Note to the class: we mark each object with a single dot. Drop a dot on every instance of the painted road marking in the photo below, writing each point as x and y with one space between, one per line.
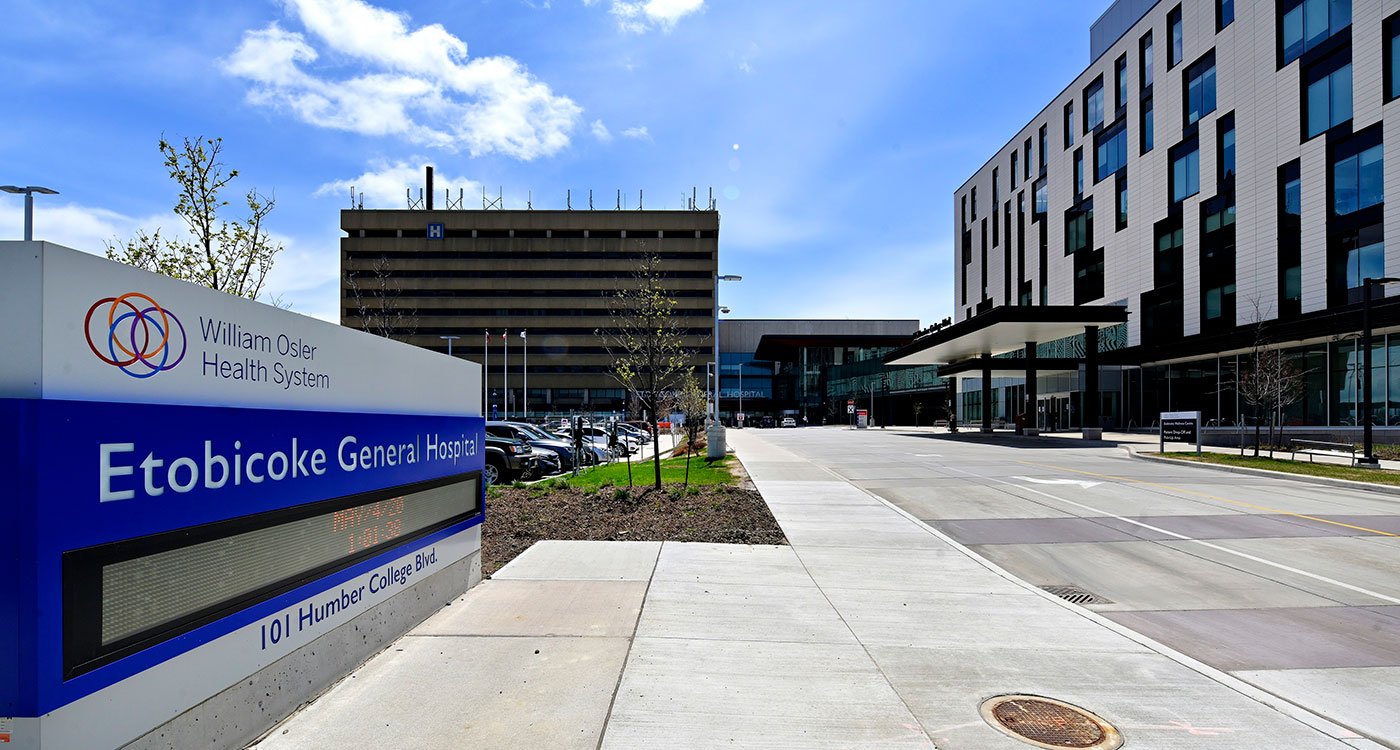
1183 490
1183 537
1080 482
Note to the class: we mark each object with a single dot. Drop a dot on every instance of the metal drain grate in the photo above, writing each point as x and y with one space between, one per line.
1076 595
1048 723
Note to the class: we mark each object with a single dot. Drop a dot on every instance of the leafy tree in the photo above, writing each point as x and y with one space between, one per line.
918 409
232 256
647 345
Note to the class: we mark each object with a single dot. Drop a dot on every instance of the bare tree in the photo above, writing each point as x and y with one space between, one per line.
918 409
1268 383
231 256
375 293
694 403
646 343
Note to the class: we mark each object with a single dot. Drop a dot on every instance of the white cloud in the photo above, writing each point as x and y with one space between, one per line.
600 131
417 84
638 133
383 184
80 227
638 16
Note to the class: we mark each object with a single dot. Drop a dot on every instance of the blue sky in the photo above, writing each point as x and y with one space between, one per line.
832 133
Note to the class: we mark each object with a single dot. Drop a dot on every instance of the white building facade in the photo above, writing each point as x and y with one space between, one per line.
1219 169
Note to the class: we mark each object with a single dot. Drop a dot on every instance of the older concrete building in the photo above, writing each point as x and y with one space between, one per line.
488 276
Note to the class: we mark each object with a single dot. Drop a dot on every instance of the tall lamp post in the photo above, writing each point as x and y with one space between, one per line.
719 278
28 193
449 340
1368 460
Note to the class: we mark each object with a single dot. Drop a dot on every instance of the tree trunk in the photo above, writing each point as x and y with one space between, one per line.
656 452
1256 431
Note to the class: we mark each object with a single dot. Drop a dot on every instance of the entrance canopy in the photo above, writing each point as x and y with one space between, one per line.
1004 329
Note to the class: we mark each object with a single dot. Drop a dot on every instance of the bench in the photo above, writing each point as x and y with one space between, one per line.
940 423
1321 447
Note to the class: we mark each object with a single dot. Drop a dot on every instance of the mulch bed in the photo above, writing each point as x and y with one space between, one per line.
517 518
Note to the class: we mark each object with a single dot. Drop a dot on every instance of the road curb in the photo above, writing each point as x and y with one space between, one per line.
1324 481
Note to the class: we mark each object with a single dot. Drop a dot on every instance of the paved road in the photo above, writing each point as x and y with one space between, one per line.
1293 587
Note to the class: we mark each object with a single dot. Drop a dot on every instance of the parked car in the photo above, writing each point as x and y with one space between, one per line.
789 422
507 460
766 422
598 443
561 450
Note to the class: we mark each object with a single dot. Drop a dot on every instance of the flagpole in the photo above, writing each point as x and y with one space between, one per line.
486 379
505 374
525 373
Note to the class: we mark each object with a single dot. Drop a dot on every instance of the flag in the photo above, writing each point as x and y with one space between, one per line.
522 334
503 335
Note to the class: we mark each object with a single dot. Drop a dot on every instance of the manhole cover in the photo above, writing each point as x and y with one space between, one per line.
1048 723
1076 595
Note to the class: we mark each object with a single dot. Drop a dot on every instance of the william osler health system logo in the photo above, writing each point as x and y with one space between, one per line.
135 334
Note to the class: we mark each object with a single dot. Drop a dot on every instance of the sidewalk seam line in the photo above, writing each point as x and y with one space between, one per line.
631 643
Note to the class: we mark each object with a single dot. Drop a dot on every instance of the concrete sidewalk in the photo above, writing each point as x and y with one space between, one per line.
870 630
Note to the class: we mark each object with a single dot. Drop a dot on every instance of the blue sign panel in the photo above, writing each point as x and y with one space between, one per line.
139 532
436 232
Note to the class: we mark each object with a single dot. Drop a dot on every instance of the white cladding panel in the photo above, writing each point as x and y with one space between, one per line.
1266 102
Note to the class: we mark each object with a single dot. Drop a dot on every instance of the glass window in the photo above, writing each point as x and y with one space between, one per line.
1079 228
1365 262
1174 35
1148 128
1122 204
1358 181
1392 56
1145 60
1186 171
1329 100
1044 145
1079 172
1308 23
996 187
1200 89
1120 76
1042 196
1224 13
1111 151
1069 124
1013 170
1227 149
1027 148
974 203
1093 105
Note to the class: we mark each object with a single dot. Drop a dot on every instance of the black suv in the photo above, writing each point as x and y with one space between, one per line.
539 441
507 460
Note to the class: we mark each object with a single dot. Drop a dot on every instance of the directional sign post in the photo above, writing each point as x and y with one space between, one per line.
1179 427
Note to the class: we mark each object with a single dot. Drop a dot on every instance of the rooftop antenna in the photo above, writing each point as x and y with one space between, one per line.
487 204
414 205
590 200
693 204
451 204
568 200
619 200
529 200
639 200
712 198
352 197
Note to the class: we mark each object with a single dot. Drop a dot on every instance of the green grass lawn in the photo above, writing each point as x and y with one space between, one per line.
1374 476
702 472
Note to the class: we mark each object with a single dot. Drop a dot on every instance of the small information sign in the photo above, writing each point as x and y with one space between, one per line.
1180 427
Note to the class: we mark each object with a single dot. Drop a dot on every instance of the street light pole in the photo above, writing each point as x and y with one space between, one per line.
449 340
1369 459
719 278
28 192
